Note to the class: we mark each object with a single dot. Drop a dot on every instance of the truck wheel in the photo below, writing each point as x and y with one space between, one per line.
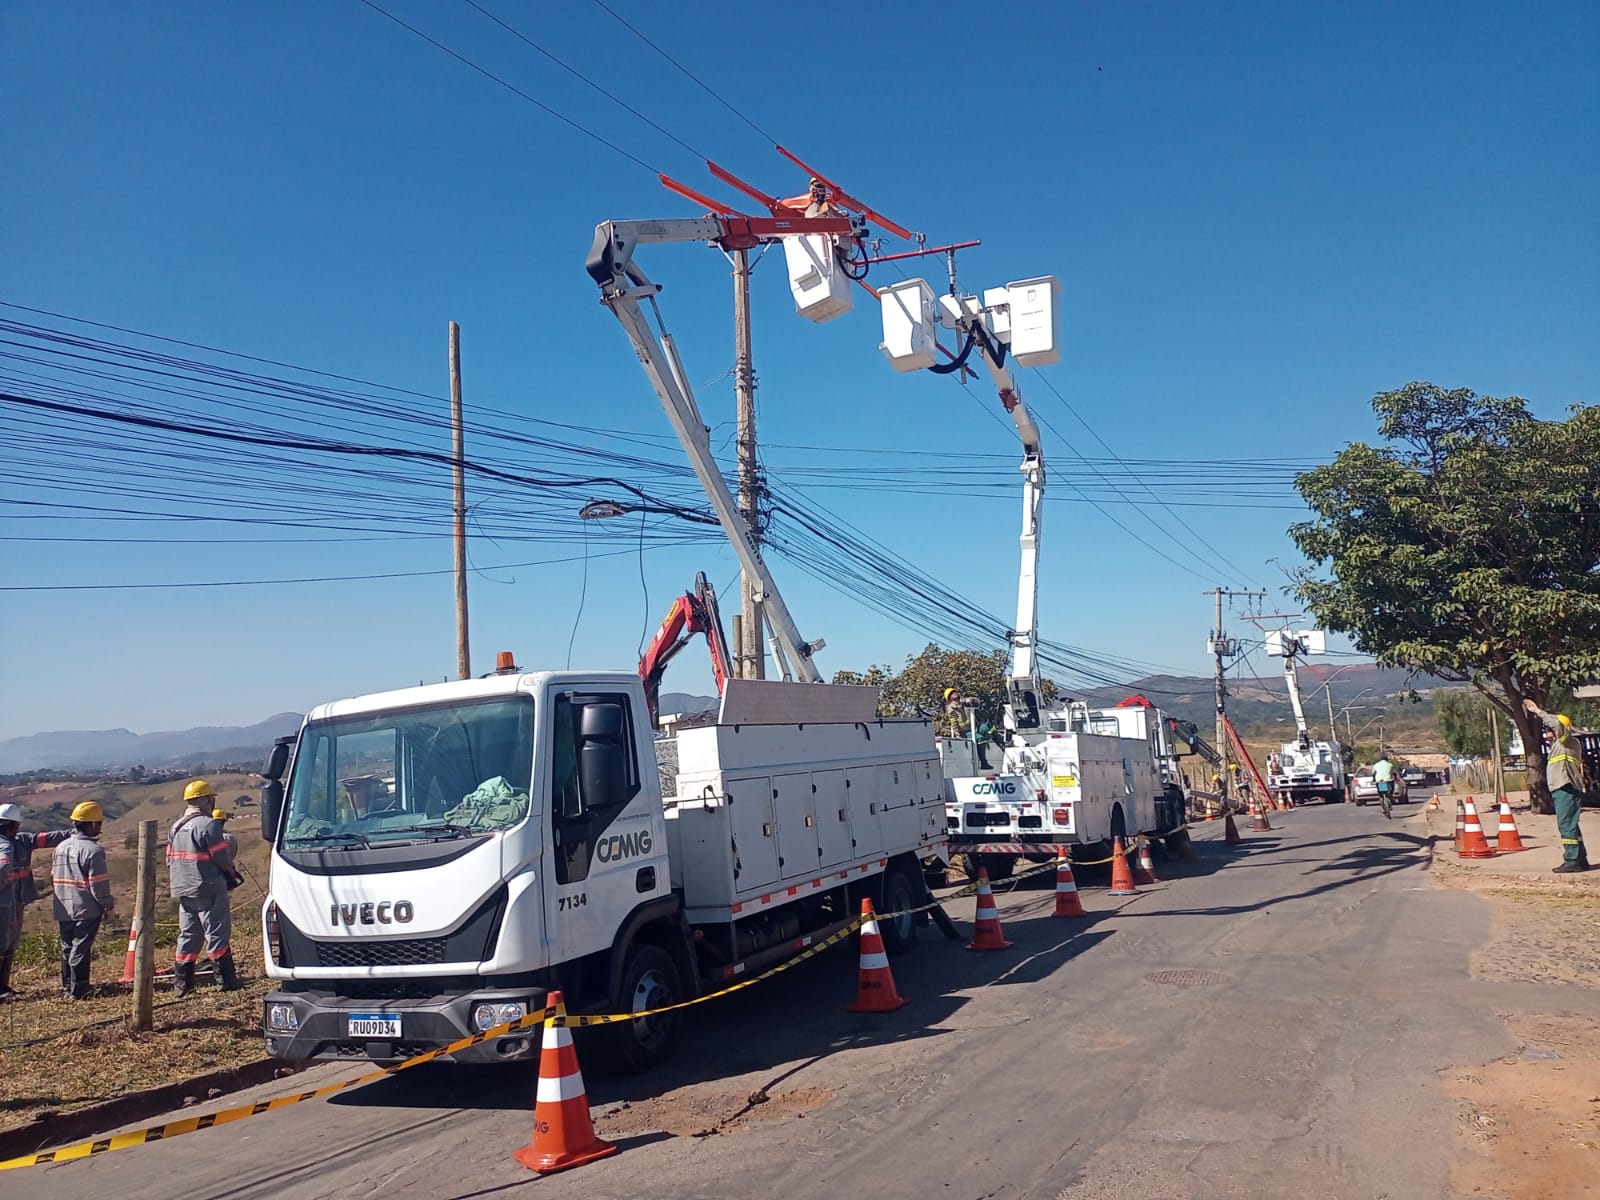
649 980
899 895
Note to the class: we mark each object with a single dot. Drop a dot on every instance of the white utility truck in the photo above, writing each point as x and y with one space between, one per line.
443 856
1094 774
1303 769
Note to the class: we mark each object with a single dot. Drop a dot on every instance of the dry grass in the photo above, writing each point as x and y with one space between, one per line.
62 1055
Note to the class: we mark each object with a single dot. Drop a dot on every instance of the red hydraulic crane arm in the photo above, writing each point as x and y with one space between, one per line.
1244 757
691 613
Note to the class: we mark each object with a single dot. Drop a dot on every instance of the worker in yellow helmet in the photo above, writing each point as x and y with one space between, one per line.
1563 772
200 867
82 885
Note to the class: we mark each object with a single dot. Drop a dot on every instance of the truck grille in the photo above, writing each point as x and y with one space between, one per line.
416 952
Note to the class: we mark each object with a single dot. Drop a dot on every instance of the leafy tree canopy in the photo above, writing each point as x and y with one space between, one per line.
1466 546
919 686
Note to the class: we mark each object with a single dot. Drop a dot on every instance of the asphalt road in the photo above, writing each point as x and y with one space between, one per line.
1269 1021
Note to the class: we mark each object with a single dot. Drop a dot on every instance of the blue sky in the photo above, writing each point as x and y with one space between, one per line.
1260 215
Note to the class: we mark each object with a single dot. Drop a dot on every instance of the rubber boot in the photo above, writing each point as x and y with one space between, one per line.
5 978
182 979
227 973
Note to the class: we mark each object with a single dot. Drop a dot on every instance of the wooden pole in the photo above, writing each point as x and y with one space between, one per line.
1494 743
144 915
458 471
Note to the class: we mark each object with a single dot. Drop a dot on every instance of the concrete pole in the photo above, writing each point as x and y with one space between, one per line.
1220 645
750 660
144 916
458 472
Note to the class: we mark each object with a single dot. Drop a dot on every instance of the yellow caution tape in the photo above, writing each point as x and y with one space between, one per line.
543 1016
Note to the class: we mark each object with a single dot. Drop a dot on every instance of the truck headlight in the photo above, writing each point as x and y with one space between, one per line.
281 1018
487 1016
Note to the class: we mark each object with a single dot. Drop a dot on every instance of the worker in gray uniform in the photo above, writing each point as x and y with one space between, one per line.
17 889
82 884
1563 773
202 873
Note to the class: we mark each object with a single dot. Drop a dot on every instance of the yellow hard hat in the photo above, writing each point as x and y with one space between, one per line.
88 811
1564 720
198 789
220 814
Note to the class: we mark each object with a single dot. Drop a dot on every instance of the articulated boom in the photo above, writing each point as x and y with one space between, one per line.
622 288
691 613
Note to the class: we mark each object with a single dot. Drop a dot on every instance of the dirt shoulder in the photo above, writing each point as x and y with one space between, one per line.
1528 1125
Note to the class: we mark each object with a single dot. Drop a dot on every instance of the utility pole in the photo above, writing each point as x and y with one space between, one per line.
144 929
458 471
750 660
1223 648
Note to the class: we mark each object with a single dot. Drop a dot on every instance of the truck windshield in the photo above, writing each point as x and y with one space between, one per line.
456 770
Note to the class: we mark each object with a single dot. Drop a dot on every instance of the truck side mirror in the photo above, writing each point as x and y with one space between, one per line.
602 757
277 759
271 808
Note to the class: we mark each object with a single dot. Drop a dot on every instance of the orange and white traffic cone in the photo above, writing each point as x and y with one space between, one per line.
875 991
1230 832
1285 801
1506 838
1144 867
1068 902
133 940
1121 877
986 933
1461 821
1473 843
563 1135
1258 818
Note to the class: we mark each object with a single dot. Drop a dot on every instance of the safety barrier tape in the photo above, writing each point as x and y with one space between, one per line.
544 1016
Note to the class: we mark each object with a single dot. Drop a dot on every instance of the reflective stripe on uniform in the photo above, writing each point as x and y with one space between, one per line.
189 855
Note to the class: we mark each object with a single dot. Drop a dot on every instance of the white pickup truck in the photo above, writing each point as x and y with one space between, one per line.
445 855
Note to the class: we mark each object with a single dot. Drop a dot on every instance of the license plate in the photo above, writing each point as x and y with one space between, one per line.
373 1025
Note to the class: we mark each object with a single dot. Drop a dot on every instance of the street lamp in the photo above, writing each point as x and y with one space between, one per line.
1327 689
1345 712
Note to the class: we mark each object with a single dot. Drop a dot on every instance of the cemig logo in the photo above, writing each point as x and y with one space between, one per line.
621 846
1002 787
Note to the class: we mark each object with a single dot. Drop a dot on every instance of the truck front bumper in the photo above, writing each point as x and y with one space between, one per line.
306 1022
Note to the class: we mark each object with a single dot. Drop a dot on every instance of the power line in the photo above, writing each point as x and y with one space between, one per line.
571 70
702 84
511 87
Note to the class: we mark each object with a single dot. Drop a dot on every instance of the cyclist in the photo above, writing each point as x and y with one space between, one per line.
1383 775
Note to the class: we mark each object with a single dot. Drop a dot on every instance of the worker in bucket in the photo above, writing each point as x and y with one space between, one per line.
17 889
1563 774
201 870
82 885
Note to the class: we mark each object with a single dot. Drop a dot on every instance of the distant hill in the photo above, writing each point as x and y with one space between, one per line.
117 748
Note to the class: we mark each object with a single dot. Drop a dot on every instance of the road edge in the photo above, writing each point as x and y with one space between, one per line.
55 1129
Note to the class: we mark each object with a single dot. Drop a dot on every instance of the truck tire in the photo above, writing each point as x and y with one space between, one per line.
900 893
649 980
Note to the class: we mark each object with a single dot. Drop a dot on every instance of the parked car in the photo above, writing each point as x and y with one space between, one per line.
1364 787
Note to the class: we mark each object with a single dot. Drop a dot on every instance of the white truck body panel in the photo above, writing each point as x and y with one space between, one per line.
1315 771
764 808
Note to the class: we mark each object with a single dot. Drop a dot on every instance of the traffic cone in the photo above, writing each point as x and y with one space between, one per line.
986 933
1144 867
1230 832
1121 877
1184 845
1506 838
1461 821
1473 843
563 1135
133 940
1258 818
1068 902
875 990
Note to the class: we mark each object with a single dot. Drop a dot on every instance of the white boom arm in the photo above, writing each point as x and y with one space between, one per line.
622 286
1024 702
1292 677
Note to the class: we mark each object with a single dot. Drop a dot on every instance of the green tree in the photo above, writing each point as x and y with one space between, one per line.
1463 720
918 687
1466 547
